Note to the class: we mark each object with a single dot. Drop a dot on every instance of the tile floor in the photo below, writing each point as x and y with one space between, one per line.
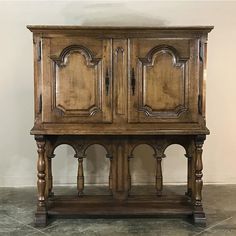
17 206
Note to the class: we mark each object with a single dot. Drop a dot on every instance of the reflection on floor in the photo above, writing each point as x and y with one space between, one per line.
17 206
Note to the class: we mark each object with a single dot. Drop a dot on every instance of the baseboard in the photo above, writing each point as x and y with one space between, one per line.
29 181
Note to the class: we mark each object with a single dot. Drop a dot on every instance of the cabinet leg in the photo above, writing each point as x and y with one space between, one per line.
198 215
80 176
189 175
41 214
50 177
110 172
129 175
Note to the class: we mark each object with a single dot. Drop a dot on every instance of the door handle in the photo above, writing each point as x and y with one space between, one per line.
133 81
107 82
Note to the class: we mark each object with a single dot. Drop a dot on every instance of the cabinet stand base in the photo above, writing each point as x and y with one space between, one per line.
121 202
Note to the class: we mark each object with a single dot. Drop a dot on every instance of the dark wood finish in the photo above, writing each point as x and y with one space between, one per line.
119 87
138 206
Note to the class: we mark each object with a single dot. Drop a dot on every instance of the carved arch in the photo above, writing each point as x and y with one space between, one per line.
53 148
160 49
133 146
176 143
175 113
101 144
66 52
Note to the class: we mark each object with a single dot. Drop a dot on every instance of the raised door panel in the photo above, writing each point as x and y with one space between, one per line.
77 80
162 74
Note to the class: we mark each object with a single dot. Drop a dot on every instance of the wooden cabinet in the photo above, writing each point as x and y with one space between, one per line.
119 87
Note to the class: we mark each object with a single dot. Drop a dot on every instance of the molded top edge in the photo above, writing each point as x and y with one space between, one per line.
76 27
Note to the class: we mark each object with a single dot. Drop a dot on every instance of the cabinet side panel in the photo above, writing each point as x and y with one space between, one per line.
37 79
202 78
46 80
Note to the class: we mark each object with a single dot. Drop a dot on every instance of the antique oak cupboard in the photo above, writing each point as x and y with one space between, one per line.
119 87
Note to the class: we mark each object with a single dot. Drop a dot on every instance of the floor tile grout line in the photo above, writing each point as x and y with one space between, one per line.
32 233
48 227
29 226
211 227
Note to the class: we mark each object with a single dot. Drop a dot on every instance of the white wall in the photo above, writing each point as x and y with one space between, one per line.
17 147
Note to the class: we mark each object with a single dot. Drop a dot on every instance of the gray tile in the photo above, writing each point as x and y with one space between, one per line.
120 227
36 234
9 227
225 227
19 205
218 233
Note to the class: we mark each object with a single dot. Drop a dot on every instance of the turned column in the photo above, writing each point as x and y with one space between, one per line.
80 174
50 177
159 179
41 214
199 216
129 174
109 156
189 174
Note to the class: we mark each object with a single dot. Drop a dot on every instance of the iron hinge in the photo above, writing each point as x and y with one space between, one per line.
40 103
200 51
39 50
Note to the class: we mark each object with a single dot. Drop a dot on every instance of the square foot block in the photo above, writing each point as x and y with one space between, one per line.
199 219
41 219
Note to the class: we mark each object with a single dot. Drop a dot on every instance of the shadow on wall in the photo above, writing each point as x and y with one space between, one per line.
96 165
108 14
143 165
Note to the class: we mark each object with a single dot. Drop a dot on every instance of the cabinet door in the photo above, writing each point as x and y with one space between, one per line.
162 80
77 83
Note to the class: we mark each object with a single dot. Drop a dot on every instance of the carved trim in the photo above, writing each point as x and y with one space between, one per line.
66 52
161 49
119 49
77 112
167 113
